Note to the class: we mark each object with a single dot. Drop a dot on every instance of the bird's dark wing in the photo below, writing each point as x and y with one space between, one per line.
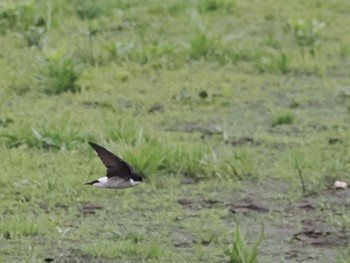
115 165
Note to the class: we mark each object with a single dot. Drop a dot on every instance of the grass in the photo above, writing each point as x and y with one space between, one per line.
282 118
26 19
47 137
238 251
343 256
213 107
307 34
298 162
133 249
60 73
272 61
18 226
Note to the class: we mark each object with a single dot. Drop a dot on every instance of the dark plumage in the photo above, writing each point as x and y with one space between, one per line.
120 174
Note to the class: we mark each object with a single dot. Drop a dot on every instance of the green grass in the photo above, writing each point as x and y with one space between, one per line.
26 19
282 118
133 249
239 252
58 135
60 73
215 102
343 256
18 226
307 34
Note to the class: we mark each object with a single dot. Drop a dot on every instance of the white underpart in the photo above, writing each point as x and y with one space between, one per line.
104 183
101 182
133 183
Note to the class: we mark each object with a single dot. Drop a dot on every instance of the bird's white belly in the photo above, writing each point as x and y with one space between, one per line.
102 182
105 182
133 183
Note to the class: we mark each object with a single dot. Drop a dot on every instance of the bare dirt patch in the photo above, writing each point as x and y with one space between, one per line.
295 230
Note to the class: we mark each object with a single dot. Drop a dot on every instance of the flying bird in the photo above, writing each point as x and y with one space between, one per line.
120 174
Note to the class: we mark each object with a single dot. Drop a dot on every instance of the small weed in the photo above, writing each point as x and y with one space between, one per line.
184 95
177 7
153 251
283 118
307 34
342 220
5 122
239 252
271 41
120 52
159 55
343 255
91 57
202 45
205 6
60 73
127 132
207 237
88 54
344 93
299 165
188 161
209 5
238 163
24 19
273 62
89 9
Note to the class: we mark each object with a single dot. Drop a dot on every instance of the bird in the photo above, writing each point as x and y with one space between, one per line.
120 174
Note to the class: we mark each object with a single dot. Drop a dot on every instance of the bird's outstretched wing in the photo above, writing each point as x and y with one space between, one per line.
115 165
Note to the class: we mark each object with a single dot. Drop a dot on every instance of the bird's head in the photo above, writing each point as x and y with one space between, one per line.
137 178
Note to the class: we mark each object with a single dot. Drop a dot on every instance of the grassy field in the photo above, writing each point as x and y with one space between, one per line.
236 112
